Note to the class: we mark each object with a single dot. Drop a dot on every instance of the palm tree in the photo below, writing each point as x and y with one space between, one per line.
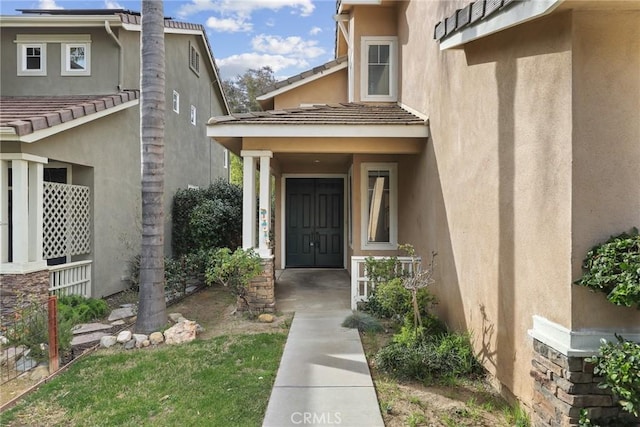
152 308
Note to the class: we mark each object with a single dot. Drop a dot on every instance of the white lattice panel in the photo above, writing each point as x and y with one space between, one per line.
67 220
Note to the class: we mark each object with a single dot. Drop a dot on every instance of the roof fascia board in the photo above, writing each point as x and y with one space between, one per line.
58 21
278 130
44 133
344 3
519 13
414 112
302 82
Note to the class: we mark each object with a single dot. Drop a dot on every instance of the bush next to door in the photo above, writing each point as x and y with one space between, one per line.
207 218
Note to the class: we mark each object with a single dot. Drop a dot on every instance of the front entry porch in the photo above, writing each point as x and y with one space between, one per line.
312 289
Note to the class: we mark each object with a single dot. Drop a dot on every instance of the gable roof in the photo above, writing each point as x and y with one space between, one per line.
331 120
303 78
22 118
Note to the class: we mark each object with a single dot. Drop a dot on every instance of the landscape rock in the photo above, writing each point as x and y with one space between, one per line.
146 343
139 339
87 339
39 373
130 345
176 317
121 313
156 338
124 336
25 364
9 356
118 322
107 341
266 318
3 340
86 328
181 332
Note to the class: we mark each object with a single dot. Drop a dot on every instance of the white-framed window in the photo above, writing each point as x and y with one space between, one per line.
32 59
193 115
76 59
194 59
176 102
225 158
379 77
379 200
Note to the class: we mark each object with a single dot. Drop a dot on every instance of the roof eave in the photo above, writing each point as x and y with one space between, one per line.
58 21
277 130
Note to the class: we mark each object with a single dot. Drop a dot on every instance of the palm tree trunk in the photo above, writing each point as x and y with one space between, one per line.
152 309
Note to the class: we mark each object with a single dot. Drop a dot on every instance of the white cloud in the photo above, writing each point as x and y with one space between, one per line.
110 4
292 46
238 64
228 25
48 4
315 31
245 7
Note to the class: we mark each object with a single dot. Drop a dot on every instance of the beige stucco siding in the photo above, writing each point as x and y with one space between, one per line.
493 192
328 89
606 147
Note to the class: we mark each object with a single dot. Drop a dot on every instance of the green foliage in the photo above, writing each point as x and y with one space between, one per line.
205 219
410 336
234 270
177 271
382 269
79 309
619 365
429 358
613 267
242 91
363 322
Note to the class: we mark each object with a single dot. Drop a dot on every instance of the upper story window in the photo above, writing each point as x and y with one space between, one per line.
32 59
193 115
176 102
379 195
194 59
379 69
76 59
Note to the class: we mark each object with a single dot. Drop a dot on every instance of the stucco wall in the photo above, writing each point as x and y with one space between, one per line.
606 148
329 89
498 171
104 66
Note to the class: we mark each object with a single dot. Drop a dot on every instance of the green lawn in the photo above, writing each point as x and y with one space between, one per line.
225 381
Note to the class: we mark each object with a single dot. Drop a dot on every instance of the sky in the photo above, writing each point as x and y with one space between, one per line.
290 36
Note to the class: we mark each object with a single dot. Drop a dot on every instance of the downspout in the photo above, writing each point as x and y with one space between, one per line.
107 27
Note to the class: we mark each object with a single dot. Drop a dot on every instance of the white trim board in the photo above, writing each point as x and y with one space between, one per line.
580 343
303 81
309 131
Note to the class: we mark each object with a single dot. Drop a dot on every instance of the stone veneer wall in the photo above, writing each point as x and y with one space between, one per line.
16 287
564 385
261 292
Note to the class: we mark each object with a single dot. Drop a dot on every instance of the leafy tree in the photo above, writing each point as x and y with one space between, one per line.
152 308
244 88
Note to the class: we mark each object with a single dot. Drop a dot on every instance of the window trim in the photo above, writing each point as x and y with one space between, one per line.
392 42
176 102
192 50
225 158
193 115
22 59
65 70
392 168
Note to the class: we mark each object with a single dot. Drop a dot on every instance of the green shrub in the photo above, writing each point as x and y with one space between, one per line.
409 335
619 365
363 322
433 357
234 270
79 309
613 267
207 218
177 271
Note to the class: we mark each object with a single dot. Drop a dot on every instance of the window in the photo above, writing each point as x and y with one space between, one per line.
194 59
76 59
176 102
379 75
193 115
32 59
379 206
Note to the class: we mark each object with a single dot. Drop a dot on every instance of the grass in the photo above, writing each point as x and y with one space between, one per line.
223 381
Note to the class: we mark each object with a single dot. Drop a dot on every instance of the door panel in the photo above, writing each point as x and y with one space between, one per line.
314 222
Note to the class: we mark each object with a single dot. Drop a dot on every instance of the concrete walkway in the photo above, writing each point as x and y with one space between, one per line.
323 377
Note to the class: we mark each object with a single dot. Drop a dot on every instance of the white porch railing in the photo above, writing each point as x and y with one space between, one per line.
360 284
73 278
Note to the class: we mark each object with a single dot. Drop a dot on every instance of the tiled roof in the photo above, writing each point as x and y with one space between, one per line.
30 114
330 114
469 16
128 17
305 74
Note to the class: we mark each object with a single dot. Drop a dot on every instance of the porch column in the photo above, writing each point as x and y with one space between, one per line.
248 202
265 204
4 211
36 211
20 211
